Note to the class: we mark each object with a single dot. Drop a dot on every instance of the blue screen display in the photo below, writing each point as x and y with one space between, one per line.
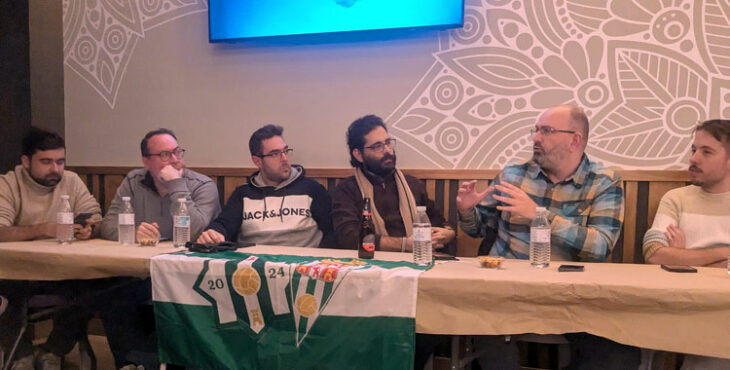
237 19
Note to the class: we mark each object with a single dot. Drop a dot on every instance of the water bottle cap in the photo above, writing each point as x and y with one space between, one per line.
541 209
64 196
126 198
181 200
420 208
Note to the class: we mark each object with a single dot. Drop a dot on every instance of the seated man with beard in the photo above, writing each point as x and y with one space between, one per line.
394 197
585 208
30 196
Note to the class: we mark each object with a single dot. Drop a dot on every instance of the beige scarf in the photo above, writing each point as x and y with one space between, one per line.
406 202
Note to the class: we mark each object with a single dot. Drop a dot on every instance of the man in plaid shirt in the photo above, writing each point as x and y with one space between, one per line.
584 200
586 207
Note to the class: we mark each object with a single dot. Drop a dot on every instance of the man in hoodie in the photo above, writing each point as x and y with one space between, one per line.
153 190
279 205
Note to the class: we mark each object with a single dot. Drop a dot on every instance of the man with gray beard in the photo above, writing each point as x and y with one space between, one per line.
585 204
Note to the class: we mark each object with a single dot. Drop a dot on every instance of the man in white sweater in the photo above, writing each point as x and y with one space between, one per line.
30 196
692 223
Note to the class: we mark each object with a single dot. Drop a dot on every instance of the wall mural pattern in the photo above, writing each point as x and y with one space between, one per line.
100 35
645 71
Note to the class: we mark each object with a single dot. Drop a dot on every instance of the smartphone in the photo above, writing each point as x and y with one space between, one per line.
81 218
445 258
679 268
571 268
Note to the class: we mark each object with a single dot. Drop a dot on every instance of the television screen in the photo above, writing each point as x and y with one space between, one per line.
240 19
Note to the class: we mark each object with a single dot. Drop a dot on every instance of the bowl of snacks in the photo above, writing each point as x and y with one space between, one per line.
151 242
490 262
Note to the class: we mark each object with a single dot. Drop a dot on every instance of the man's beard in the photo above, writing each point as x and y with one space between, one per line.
693 168
49 180
378 167
539 155
549 160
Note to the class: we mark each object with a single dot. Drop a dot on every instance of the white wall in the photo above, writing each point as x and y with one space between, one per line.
645 71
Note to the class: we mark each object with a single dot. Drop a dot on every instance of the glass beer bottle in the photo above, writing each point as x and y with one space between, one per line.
366 248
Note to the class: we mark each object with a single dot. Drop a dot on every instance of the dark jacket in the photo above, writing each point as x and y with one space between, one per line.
348 203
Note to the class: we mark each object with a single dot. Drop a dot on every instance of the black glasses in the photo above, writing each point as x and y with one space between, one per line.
547 130
167 155
277 153
379 147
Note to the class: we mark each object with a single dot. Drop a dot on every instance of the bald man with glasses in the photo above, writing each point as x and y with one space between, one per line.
585 204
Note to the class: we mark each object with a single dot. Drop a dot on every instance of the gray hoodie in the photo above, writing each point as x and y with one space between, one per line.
199 190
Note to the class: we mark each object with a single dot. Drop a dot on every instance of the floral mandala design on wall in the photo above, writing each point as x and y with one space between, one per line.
100 35
645 71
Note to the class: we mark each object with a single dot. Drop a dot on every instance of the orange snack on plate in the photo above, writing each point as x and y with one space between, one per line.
490 262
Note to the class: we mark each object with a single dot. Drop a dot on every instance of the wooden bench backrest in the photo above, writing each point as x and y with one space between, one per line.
643 190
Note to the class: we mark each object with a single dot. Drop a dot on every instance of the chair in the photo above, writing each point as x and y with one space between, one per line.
42 307
3 308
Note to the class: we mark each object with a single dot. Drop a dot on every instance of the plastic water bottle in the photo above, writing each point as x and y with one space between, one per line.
422 238
181 224
540 239
126 222
65 222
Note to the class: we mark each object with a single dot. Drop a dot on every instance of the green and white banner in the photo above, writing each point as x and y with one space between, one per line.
243 311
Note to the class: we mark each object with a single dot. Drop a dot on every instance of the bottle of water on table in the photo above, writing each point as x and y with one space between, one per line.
126 222
65 222
540 239
422 238
181 224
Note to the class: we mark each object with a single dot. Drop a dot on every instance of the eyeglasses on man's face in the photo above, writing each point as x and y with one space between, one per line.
380 146
547 130
166 155
277 153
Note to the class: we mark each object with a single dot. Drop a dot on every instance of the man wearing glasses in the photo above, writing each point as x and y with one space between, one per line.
154 191
394 196
393 200
585 203
279 205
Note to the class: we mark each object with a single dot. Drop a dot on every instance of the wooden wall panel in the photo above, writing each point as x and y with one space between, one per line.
431 188
656 192
111 183
643 190
230 184
631 190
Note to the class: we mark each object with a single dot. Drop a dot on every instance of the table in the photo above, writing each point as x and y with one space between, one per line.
640 305
46 260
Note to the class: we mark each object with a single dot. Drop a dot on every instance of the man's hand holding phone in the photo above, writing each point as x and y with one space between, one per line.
83 226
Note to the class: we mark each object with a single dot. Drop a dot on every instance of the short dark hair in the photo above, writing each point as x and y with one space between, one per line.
160 131
40 140
266 132
357 131
719 129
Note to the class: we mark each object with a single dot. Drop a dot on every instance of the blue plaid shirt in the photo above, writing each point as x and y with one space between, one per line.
586 211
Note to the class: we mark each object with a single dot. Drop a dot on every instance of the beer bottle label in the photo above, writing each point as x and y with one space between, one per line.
368 243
